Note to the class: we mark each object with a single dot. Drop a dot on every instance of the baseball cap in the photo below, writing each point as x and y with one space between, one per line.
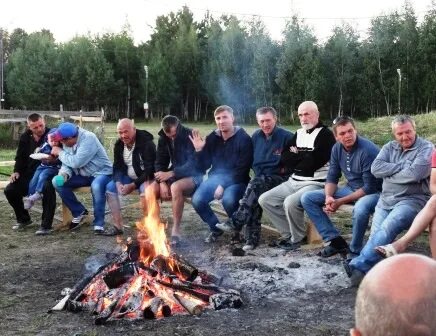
64 130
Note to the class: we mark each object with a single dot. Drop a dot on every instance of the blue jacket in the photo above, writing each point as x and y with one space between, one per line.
268 151
177 156
355 166
86 158
230 160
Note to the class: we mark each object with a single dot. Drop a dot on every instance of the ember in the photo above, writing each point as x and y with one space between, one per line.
147 281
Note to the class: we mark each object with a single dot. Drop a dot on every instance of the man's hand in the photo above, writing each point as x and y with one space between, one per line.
56 150
197 140
219 191
128 188
293 149
161 176
165 193
14 176
331 205
120 187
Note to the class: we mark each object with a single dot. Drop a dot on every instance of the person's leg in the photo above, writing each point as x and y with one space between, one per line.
34 181
179 189
422 221
231 196
432 238
363 208
294 211
98 190
14 193
48 205
272 205
386 225
46 174
67 195
114 204
200 201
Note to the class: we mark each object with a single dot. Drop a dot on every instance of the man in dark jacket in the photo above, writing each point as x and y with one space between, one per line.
24 169
176 174
133 168
306 158
228 152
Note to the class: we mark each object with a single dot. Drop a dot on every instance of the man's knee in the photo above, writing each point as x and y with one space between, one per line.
311 198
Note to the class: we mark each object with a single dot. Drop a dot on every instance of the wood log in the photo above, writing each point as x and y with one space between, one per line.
185 269
209 278
190 306
202 296
151 311
225 300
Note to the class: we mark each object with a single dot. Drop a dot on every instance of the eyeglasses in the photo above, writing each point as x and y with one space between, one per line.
342 119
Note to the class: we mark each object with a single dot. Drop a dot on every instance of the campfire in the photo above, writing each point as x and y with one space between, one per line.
147 281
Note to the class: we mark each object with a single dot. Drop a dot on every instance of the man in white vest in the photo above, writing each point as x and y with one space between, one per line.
306 158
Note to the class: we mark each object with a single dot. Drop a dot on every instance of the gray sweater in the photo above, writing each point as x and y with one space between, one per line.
405 173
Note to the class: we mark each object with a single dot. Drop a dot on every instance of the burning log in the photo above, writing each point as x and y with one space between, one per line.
202 296
117 277
156 304
185 269
190 306
209 278
231 299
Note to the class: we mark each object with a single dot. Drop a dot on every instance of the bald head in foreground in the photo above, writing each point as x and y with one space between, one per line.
398 297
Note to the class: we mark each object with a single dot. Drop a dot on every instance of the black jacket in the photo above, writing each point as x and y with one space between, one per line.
143 157
179 158
26 146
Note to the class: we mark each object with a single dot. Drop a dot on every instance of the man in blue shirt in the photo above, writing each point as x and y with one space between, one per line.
351 156
268 142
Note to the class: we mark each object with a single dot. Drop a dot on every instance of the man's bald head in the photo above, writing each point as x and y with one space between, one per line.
308 114
126 131
398 297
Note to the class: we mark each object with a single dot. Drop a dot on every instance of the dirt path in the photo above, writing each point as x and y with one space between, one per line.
278 300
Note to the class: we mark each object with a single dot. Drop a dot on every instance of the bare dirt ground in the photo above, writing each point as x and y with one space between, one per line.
279 298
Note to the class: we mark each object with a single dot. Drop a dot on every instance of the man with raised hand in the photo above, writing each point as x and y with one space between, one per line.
176 174
305 158
84 163
134 156
228 152
268 143
404 165
352 156
30 141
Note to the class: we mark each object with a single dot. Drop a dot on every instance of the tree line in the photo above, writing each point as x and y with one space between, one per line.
193 66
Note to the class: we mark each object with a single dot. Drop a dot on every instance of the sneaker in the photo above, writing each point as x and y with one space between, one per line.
76 222
30 201
212 237
20 226
227 226
43 232
99 230
249 246
290 246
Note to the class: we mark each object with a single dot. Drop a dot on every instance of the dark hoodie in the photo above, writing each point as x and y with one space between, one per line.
230 160
143 157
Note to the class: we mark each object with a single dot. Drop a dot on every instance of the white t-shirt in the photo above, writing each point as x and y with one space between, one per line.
127 156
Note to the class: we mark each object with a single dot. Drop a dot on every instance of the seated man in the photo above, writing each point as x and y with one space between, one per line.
425 219
306 157
228 152
176 174
134 156
404 165
24 169
84 163
397 297
268 143
351 156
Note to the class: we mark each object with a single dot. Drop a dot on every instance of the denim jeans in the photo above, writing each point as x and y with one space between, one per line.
41 175
205 194
386 225
313 202
112 187
98 190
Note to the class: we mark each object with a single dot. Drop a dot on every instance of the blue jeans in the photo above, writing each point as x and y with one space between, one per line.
41 175
386 225
204 195
98 190
112 187
313 202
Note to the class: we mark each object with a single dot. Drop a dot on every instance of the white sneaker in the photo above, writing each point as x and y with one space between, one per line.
248 246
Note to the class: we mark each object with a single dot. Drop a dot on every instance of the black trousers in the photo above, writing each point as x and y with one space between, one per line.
17 190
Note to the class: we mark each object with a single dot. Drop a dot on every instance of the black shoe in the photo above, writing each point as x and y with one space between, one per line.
290 246
76 222
21 225
356 276
212 237
112 231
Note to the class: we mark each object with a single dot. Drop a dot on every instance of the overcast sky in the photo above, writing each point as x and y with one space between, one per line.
65 19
